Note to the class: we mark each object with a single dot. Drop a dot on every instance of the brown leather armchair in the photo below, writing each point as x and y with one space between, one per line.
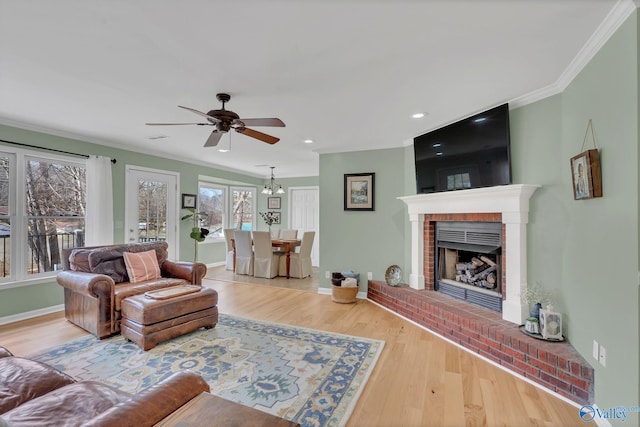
95 283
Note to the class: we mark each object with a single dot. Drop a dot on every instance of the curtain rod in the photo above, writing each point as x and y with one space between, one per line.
49 149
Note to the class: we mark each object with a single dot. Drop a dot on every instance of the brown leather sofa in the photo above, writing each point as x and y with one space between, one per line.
95 282
35 394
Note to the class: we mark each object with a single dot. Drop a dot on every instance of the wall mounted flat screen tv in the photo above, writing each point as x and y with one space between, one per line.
470 153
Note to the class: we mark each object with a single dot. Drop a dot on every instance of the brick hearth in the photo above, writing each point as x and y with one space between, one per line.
556 366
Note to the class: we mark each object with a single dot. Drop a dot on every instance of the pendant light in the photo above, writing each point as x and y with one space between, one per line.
272 187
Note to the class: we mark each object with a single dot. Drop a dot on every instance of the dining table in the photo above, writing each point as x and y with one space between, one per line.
285 245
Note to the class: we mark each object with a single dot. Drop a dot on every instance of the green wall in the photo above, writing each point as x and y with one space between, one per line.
600 254
363 241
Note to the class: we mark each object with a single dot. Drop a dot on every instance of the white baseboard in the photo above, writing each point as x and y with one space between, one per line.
327 291
31 314
215 264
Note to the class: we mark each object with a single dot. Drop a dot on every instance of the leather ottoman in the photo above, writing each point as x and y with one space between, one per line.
158 316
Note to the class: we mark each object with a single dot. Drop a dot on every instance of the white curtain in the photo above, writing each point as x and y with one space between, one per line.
99 215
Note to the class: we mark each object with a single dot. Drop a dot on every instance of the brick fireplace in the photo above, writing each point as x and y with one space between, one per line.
508 204
556 366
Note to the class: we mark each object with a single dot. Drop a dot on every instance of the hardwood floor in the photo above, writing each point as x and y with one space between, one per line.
419 380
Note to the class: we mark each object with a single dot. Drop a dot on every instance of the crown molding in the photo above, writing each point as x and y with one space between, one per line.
611 23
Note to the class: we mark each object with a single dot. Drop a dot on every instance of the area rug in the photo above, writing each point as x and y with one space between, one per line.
304 375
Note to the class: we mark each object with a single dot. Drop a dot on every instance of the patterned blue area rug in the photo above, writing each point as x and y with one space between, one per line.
308 376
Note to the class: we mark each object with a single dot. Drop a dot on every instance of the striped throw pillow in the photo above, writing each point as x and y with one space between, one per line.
142 266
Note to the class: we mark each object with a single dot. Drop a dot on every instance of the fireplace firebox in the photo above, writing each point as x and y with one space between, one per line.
468 256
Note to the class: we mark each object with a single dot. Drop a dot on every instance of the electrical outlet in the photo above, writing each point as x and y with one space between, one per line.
603 356
327 274
370 275
596 350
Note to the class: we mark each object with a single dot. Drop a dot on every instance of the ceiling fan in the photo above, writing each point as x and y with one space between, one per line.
225 120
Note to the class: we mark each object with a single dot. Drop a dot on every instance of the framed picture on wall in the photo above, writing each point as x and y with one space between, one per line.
188 201
359 191
586 177
276 217
273 202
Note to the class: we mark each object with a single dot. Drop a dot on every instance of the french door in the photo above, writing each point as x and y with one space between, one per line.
304 215
151 207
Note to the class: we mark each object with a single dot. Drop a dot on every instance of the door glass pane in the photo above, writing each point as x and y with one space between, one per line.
152 210
242 208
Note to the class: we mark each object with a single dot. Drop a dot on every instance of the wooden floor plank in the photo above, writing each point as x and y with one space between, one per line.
420 379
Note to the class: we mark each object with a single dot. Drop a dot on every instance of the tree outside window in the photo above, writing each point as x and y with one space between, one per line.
42 210
211 206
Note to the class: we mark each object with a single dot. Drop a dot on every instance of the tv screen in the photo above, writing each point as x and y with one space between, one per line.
470 153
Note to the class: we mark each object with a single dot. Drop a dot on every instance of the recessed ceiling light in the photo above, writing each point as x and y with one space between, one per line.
418 115
479 120
308 141
223 150
439 153
436 144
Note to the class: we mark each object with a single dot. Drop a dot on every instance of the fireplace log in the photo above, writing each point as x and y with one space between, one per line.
483 274
487 260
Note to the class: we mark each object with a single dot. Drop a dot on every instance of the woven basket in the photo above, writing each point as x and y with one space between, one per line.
343 295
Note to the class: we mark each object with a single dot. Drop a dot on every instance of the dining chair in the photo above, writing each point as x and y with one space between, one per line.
244 252
275 233
228 235
288 234
300 262
265 261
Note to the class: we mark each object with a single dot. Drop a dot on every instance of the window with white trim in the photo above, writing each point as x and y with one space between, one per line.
222 206
42 211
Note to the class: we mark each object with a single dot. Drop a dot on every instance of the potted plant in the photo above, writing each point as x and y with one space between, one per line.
198 234
269 218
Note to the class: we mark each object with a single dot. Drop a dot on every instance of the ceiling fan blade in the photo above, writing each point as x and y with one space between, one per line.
263 122
258 135
213 139
177 124
208 117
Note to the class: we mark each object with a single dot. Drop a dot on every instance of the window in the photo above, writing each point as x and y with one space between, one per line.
223 207
5 219
42 203
243 208
212 200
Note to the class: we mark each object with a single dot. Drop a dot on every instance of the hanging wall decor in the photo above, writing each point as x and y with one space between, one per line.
585 170
359 191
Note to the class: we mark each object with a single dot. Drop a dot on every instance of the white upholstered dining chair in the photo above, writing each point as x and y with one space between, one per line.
244 252
288 234
265 261
228 235
300 262
275 233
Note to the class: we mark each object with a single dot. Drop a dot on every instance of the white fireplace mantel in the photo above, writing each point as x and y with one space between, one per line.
512 201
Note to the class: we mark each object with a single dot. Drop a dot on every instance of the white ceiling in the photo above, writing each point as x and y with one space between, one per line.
346 73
